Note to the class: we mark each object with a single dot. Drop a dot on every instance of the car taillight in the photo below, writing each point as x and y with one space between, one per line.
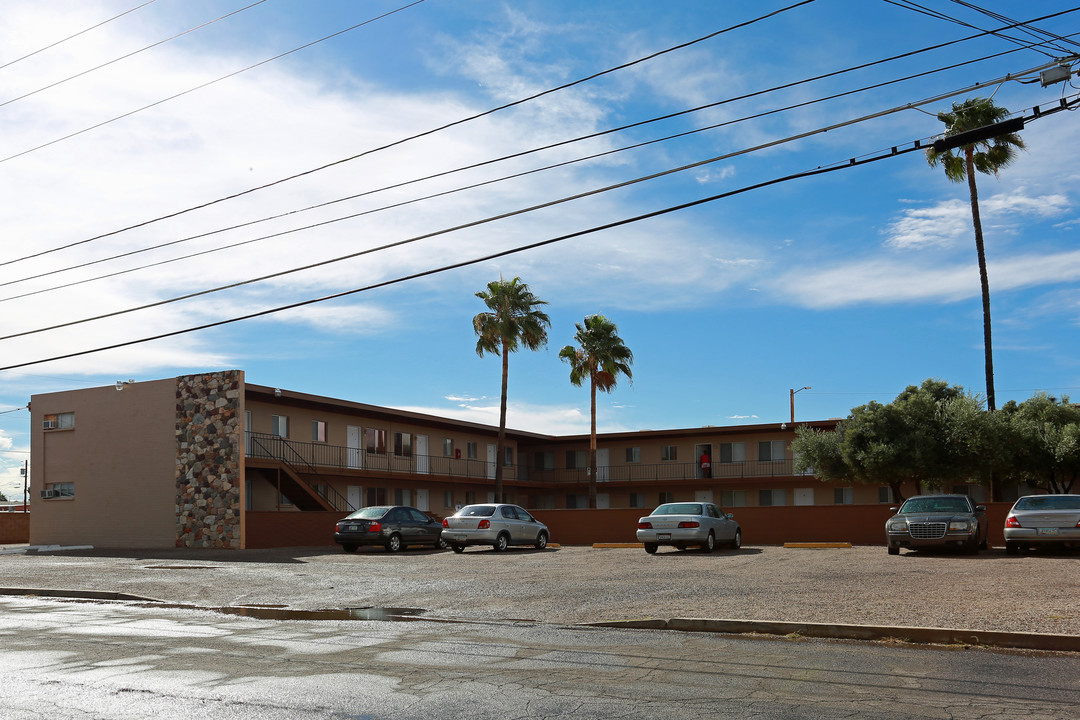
1013 522
374 527
644 526
445 524
337 528
689 523
484 525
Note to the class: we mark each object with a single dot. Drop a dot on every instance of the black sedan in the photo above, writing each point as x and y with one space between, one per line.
392 526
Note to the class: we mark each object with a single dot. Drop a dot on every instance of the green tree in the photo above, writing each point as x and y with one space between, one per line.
1044 439
986 156
3 497
601 356
513 319
930 435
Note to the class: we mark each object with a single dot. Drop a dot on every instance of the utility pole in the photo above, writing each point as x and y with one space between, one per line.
25 479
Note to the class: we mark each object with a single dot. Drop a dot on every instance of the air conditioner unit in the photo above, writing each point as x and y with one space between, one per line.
48 424
45 494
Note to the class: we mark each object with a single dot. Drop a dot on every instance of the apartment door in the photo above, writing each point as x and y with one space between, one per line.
603 500
355 497
700 451
422 501
423 462
704 496
804 496
353 438
603 464
492 452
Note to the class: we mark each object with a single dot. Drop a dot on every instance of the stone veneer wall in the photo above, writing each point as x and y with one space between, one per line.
209 447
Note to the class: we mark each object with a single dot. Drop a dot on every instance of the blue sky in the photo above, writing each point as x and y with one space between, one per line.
856 283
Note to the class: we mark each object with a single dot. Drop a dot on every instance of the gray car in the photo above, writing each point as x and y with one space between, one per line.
938 521
496 524
1042 520
688 523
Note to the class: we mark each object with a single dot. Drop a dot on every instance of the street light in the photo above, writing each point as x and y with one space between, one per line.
793 391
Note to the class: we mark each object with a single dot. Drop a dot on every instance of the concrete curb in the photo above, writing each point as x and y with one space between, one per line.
940 636
78 594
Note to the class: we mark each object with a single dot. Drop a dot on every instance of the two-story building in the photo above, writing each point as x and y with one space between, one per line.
210 460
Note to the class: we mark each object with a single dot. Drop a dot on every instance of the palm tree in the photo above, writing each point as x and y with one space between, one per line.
985 156
513 320
601 357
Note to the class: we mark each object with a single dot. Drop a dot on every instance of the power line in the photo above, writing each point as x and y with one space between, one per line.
206 84
130 54
916 7
493 218
460 189
71 37
1031 30
474 261
416 136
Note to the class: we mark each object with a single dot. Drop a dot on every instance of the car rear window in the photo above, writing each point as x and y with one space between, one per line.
477 511
369 513
678 509
1048 502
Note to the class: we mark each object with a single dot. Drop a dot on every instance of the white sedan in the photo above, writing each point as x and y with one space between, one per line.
689 523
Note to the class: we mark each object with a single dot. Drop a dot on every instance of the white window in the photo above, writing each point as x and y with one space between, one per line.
447 447
633 455
637 500
733 498
544 460
375 441
403 447
470 449
508 456
669 452
771 497
58 421
665 497
62 489
884 494
318 431
279 425
577 459
770 450
732 452
843 495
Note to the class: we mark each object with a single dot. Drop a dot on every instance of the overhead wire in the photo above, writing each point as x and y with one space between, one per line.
493 218
72 37
416 136
207 84
922 9
130 54
478 184
1033 31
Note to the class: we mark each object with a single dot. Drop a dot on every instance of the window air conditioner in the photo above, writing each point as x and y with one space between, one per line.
50 494
48 424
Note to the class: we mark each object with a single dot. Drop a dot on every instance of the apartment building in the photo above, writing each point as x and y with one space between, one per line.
209 460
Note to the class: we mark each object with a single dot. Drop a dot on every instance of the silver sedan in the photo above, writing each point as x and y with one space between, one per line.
689 523
1041 520
494 524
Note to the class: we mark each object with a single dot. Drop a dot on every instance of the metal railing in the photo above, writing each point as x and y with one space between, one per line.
321 455
278 448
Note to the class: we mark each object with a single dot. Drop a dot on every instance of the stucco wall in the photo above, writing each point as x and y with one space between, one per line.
209 460
120 456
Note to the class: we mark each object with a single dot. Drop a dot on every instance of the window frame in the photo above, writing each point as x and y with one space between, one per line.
319 431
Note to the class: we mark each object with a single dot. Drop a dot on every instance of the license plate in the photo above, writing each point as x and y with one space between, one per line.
354 528
663 536
455 537
1048 531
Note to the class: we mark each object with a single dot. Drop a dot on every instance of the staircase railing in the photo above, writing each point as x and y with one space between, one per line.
281 449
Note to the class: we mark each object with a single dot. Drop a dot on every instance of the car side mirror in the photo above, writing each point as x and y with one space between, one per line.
730 516
980 508
894 508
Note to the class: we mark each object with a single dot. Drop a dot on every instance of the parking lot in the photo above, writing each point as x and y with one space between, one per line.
861 585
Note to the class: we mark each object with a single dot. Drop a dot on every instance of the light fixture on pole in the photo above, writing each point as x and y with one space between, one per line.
792 396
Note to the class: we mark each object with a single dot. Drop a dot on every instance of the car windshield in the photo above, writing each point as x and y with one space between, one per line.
369 513
1048 502
935 505
477 511
678 509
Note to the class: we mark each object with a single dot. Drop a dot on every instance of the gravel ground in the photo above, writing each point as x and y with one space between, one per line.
860 585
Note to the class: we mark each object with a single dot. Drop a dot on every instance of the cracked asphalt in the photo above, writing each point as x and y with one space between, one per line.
860 585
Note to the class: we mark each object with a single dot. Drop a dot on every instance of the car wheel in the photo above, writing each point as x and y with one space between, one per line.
541 541
458 548
650 548
894 549
501 542
736 543
393 543
440 544
710 543
349 547
1012 548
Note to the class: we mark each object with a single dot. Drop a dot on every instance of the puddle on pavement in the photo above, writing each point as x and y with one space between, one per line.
263 612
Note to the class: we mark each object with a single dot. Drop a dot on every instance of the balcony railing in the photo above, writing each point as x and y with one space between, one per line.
323 456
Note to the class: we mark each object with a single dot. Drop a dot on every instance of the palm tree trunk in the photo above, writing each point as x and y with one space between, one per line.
592 444
988 348
502 426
